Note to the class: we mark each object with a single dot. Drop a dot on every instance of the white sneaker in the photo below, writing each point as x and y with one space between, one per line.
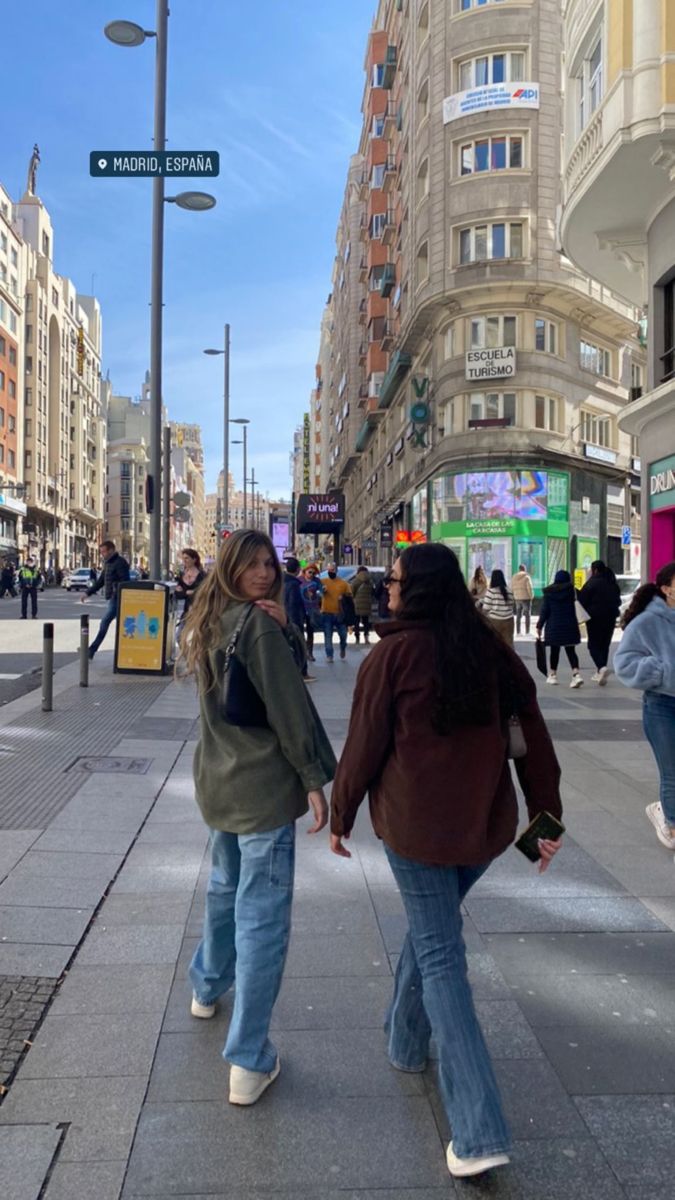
577 680
664 832
248 1086
552 678
595 678
202 1010
461 1167
603 676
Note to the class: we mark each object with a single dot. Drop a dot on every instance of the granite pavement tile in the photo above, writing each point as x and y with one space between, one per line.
516 914
93 1045
574 873
507 1033
551 1000
113 990
31 891
45 926
34 959
341 955
563 1169
142 944
353 1143
151 869
582 953
86 1181
632 1132
85 841
26 1152
15 843
101 1113
137 909
612 1060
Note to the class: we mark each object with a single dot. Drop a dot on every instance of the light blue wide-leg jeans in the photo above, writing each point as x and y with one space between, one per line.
432 997
247 926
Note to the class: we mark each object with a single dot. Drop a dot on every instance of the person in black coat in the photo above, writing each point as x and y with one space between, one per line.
294 603
601 598
558 620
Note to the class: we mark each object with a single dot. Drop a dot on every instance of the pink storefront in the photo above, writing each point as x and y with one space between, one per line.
661 513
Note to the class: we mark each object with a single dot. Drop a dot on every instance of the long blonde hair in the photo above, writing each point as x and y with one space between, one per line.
221 588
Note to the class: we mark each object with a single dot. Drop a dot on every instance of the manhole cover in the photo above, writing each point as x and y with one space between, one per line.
109 765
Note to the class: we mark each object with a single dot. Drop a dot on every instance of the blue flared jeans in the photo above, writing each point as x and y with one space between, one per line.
658 722
432 997
247 926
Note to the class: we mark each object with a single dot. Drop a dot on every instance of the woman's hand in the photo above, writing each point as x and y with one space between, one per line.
317 803
547 850
337 846
275 611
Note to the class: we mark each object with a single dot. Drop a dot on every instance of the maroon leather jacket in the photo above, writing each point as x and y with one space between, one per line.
448 799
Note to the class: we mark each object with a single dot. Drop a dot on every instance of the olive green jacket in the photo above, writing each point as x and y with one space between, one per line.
251 780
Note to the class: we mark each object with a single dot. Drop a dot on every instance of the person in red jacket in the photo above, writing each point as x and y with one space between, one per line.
428 740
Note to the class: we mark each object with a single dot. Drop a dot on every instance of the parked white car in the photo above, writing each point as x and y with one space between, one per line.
628 585
79 580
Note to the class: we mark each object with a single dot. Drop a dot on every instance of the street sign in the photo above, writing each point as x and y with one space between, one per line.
369 544
347 548
181 515
174 164
182 499
625 535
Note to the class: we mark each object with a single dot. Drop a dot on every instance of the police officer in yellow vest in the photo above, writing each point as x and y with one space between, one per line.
29 577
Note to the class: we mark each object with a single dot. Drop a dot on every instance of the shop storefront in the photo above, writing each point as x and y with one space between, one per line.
499 519
661 482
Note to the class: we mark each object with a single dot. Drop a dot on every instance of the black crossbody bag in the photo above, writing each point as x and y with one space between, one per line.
240 703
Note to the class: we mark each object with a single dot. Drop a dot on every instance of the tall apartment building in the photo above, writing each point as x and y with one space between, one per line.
127 522
618 219
12 289
188 438
60 406
477 374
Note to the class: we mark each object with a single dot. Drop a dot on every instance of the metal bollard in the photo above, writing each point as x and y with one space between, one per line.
47 666
84 650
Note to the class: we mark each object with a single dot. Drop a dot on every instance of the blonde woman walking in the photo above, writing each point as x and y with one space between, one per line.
261 762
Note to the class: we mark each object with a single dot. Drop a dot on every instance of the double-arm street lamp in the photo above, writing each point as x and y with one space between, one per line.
244 422
128 34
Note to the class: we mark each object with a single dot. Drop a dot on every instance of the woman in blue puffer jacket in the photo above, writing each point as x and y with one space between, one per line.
645 659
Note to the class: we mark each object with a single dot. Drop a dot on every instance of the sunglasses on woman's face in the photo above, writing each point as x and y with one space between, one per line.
391 578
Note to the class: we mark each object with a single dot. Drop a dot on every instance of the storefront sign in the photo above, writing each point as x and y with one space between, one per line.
386 535
600 453
324 513
305 452
662 483
410 537
491 96
497 363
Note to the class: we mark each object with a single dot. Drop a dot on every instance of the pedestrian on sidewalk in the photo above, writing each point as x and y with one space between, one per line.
115 571
601 598
479 584
189 578
29 579
428 741
362 591
262 759
497 605
645 659
558 622
7 580
311 598
523 593
334 589
295 609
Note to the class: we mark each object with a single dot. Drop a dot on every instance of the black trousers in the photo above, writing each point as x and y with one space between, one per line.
362 621
599 641
25 593
308 630
571 657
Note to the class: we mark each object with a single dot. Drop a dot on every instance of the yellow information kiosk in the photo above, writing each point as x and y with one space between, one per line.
146 628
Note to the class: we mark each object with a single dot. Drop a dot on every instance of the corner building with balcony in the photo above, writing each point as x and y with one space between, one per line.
483 409
618 217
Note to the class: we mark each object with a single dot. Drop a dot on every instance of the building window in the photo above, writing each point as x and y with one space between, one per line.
505 67
668 356
501 153
545 336
589 83
423 101
503 239
449 342
422 189
12 356
377 175
2 418
2 381
465 5
596 429
488 332
28 459
11 424
377 130
547 413
11 458
595 358
636 377
3 346
375 278
489 406
422 264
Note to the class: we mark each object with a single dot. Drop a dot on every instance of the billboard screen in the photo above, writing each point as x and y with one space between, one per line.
280 533
322 513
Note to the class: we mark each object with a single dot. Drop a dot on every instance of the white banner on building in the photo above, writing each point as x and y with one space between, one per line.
496 363
492 95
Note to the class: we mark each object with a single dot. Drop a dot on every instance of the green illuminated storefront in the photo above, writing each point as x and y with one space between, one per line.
501 518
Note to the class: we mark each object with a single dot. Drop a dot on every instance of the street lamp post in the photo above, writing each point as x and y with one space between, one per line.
226 422
244 422
128 34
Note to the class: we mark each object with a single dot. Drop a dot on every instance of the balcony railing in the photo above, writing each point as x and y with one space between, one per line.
584 154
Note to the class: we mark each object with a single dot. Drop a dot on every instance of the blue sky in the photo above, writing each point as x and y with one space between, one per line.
275 87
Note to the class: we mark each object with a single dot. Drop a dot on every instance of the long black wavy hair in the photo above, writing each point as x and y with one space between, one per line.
469 661
645 594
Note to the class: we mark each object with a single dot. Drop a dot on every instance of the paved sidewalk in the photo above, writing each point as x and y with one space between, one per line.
123 1094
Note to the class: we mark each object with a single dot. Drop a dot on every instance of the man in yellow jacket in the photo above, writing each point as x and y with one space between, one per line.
334 589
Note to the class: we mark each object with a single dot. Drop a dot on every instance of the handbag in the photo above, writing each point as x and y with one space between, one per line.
540 656
580 612
240 703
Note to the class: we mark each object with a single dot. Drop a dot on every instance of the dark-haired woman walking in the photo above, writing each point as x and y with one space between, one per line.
601 598
645 659
558 620
497 606
428 741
